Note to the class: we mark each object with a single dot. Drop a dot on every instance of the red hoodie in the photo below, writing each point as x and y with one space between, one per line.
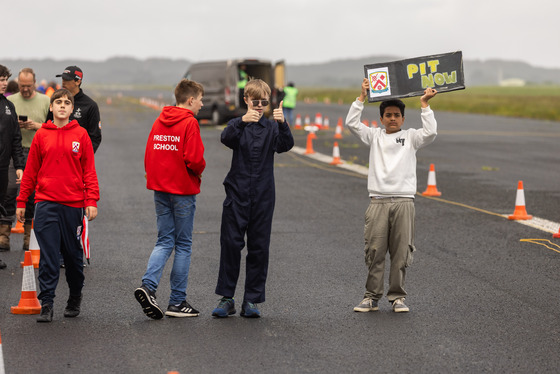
60 167
174 159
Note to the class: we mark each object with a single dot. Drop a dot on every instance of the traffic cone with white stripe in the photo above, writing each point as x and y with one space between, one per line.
338 131
520 212
28 303
336 155
374 124
431 190
319 120
34 249
326 123
298 122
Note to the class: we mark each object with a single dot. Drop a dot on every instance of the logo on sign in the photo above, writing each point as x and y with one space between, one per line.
379 81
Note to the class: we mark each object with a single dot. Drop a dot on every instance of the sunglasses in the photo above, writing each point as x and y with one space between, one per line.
262 102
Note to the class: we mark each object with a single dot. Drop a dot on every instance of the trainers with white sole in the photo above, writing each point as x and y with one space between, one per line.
182 310
399 306
147 299
367 305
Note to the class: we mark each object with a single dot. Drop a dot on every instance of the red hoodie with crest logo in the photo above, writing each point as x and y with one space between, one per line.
174 158
60 167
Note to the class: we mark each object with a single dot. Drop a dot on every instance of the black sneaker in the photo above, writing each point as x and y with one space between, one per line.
46 313
73 306
147 299
2 264
183 310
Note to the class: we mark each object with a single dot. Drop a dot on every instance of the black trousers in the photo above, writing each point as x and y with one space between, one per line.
3 186
9 200
58 228
255 221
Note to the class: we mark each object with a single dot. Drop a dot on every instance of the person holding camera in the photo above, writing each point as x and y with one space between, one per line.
32 108
10 141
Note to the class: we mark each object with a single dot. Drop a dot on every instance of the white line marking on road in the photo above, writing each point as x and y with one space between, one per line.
536 222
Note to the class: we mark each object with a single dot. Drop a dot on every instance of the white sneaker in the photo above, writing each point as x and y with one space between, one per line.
367 305
399 306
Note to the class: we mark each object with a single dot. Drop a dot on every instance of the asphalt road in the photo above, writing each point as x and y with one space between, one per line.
481 299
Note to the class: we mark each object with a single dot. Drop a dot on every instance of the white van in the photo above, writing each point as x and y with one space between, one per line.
220 79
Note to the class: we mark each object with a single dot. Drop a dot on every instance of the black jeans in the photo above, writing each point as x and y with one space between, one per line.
3 186
12 190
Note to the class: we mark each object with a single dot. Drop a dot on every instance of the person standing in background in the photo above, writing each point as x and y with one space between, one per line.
290 99
86 111
32 108
10 141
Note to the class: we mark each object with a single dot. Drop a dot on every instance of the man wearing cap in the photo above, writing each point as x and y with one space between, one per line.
86 111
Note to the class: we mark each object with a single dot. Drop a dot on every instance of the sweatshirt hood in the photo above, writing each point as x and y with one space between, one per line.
49 125
171 115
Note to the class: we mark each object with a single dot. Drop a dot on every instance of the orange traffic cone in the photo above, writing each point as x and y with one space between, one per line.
309 148
374 124
432 188
18 229
319 120
365 122
34 249
338 131
336 155
307 120
28 303
298 122
557 235
520 211
326 123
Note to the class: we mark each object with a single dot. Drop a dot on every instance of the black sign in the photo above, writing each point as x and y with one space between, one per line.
410 77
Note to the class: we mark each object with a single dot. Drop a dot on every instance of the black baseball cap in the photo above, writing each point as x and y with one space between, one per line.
71 73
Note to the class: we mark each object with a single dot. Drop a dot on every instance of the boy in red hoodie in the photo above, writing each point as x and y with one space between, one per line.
174 162
61 169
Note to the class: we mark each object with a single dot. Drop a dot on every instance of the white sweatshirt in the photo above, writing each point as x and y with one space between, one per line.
392 157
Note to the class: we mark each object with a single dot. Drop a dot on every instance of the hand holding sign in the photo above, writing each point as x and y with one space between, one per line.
365 88
278 114
428 94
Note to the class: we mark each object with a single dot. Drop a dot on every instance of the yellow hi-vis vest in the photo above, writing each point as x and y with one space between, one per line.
290 97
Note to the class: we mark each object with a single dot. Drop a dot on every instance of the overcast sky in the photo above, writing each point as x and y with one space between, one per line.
297 31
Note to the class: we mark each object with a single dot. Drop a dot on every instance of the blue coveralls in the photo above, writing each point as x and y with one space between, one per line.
249 203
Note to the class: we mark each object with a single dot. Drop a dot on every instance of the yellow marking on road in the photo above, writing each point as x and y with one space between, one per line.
361 172
538 241
461 205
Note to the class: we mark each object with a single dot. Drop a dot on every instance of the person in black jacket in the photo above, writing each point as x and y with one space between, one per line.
86 111
10 140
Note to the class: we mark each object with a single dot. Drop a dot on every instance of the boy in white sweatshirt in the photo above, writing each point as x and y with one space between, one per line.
389 218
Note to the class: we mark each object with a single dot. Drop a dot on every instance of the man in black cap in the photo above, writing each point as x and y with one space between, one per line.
86 111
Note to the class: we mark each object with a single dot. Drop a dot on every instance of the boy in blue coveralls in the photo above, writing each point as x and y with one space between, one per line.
250 197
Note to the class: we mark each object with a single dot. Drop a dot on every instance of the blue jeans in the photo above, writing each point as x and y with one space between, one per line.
175 220
289 115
